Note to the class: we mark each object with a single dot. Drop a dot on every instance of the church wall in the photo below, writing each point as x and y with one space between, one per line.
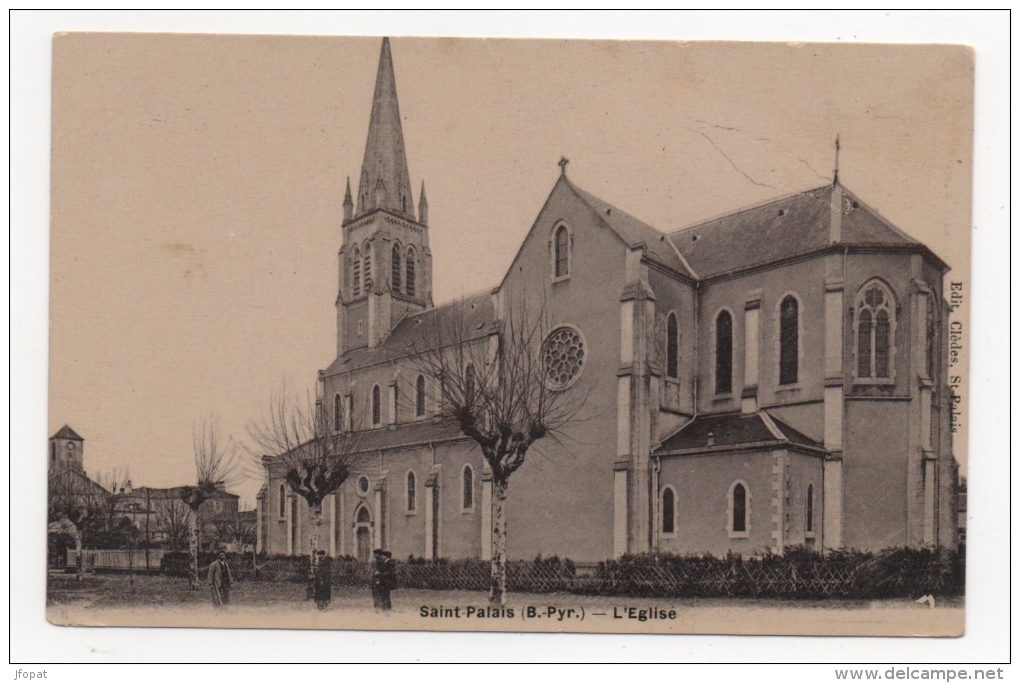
405 527
806 418
676 400
875 474
459 527
560 501
805 280
356 313
803 471
702 485
896 271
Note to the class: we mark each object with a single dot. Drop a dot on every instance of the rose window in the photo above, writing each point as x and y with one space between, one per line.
563 356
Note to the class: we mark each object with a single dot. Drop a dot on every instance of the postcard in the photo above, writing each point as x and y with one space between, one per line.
509 335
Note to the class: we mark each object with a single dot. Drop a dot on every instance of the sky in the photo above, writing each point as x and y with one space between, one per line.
159 336
197 183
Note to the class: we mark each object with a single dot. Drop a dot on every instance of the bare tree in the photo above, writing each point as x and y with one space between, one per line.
505 388
75 504
173 522
215 464
315 457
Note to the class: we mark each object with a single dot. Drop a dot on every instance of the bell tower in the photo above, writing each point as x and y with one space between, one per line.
66 452
385 261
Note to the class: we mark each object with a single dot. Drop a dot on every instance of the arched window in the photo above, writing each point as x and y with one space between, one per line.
338 413
363 516
739 510
356 271
283 501
412 492
419 396
468 480
561 256
789 340
376 406
410 284
723 352
469 384
395 268
396 403
809 524
876 325
668 510
672 347
366 267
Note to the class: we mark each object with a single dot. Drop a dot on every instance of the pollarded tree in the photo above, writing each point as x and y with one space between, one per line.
173 522
506 387
215 465
315 456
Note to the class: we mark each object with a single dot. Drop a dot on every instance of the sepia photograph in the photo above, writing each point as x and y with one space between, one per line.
369 333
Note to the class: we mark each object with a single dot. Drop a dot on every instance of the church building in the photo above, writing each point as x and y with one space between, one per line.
772 378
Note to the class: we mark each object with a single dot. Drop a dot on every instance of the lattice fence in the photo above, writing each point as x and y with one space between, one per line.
799 575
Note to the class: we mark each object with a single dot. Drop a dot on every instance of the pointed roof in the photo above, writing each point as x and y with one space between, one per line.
67 433
729 431
466 319
385 182
785 228
633 231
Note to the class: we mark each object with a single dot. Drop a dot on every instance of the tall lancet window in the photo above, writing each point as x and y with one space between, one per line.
366 267
723 353
672 347
562 252
789 342
876 326
376 406
395 266
410 272
356 271
419 396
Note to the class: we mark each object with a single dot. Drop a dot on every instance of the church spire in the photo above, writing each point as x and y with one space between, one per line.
385 183
348 202
423 206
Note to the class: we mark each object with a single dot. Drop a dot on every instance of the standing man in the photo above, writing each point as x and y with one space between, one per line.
323 581
384 579
220 580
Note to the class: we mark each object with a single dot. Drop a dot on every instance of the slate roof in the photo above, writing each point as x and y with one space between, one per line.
67 433
405 435
475 315
410 434
634 232
735 429
783 228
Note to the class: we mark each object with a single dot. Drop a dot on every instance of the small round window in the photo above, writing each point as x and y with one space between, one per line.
563 355
362 485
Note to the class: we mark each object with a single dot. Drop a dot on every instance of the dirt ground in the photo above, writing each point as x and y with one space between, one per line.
114 600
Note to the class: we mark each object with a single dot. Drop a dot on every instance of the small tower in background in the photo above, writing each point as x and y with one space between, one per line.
66 452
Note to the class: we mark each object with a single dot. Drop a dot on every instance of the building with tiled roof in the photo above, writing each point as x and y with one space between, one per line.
772 377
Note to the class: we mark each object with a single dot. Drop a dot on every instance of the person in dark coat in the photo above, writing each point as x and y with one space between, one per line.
384 580
220 580
323 581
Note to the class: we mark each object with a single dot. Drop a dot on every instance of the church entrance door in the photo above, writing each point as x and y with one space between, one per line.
363 534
